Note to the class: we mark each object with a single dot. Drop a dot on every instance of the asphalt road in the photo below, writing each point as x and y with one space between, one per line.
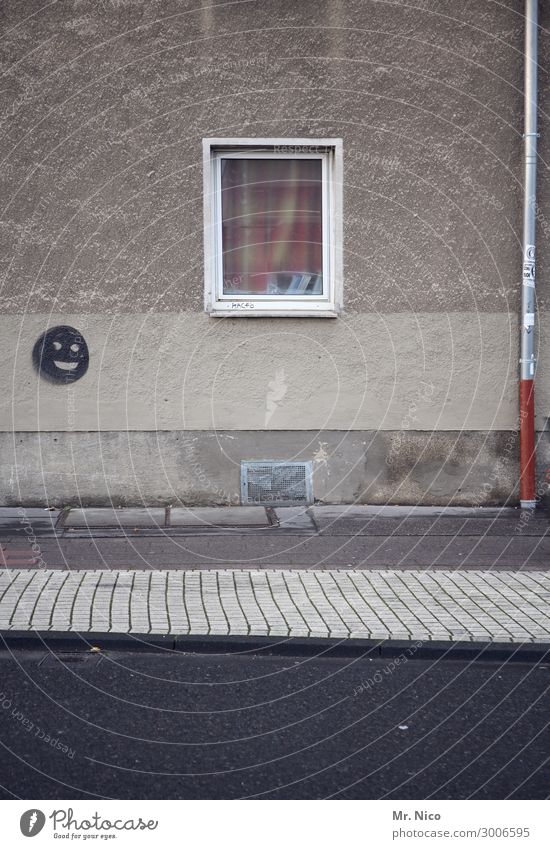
413 542
173 725
278 549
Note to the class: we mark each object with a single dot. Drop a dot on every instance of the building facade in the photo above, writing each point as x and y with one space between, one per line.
266 231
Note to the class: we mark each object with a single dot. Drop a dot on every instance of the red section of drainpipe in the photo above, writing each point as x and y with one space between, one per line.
527 440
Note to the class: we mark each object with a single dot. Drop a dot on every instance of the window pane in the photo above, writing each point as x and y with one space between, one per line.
272 226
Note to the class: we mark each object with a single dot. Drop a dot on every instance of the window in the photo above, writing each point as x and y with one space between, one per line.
273 227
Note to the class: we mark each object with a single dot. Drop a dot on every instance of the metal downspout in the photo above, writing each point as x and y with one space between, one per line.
527 361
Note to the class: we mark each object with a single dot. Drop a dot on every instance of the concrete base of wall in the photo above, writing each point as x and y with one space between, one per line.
203 468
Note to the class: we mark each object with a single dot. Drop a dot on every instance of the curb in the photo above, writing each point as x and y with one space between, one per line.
72 641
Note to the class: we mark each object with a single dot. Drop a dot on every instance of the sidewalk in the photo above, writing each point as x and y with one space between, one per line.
486 607
347 519
317 537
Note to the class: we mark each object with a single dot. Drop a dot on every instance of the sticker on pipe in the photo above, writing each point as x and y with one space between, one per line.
529 274
529 253
529 319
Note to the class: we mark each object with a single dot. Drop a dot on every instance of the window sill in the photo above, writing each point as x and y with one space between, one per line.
263 313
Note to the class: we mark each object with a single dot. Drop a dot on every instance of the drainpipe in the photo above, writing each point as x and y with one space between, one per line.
527 361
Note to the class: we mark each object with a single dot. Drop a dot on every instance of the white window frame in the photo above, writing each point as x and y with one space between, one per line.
327 305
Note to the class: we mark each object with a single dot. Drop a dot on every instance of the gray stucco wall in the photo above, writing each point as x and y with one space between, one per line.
102 114
202 467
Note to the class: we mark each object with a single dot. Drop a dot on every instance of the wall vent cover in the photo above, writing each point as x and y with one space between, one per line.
276 482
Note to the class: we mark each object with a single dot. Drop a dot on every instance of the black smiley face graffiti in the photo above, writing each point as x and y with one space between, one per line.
61 354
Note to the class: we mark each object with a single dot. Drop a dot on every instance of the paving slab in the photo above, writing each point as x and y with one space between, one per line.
105 517
295 518
335 512
237 517
18 518
425 606
15 513
345 536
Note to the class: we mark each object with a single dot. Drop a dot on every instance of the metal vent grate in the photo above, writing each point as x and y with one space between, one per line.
276 482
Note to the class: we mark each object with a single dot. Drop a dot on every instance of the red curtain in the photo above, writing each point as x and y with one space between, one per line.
271 223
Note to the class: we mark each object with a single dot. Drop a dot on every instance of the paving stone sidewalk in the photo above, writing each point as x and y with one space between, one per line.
511 607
